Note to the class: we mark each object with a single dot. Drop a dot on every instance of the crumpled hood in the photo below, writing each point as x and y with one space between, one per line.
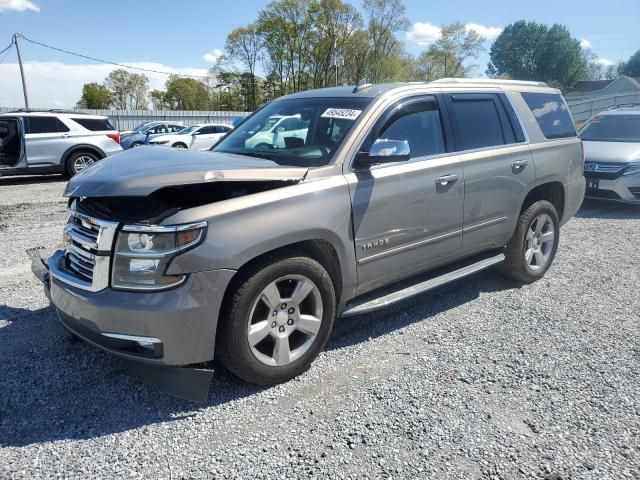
617 152
143 170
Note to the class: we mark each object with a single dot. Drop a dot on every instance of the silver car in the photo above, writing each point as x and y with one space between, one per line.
249 253
34 143
611 142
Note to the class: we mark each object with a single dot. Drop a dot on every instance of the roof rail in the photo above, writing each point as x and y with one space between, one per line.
52 110
491 81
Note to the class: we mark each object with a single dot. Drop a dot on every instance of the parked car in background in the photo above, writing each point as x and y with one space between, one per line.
611 142
202 134
139 136
207 136
50 142
394 190
278 131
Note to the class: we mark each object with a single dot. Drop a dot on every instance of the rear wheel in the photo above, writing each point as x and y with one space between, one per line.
179 145
78 161
533 246
136 144
277 320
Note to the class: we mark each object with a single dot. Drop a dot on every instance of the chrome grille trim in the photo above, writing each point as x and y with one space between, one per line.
86 258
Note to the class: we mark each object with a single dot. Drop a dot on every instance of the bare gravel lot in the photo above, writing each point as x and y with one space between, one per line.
480 379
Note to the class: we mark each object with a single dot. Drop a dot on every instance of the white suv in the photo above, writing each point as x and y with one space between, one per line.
50 142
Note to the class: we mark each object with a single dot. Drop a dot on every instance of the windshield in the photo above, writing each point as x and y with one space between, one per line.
612 128
303 132
141 128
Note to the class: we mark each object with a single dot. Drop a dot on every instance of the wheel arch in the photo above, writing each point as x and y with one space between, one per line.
550 191
82 147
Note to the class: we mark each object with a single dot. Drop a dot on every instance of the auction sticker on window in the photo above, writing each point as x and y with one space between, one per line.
342 113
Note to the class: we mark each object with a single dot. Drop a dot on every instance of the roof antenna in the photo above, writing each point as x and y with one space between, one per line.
362 84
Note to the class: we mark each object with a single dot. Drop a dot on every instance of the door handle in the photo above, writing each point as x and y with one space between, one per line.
519 164
446 180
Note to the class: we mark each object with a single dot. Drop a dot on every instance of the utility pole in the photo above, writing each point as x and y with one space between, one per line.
24 82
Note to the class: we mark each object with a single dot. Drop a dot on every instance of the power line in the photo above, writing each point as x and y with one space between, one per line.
106 61
8 47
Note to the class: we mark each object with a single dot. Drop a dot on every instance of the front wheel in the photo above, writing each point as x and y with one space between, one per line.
533 246
179 145
277 320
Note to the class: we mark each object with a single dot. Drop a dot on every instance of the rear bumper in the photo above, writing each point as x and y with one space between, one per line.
169 328
574 196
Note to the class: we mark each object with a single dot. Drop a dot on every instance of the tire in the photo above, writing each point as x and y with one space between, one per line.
249 315
136 144
178 145
78 161
533 246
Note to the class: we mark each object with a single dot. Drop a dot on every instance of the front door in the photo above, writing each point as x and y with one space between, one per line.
407 216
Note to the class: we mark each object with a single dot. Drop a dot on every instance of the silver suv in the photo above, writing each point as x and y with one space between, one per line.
51 142
612 154
249 253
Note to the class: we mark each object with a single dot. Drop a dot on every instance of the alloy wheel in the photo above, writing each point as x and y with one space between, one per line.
284 320
539 242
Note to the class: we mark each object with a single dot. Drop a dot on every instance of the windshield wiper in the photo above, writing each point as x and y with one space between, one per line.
251 153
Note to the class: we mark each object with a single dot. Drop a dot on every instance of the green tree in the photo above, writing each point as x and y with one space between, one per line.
127 90
186 94
532 51
631 68
385 18
94 96
244 44
447 56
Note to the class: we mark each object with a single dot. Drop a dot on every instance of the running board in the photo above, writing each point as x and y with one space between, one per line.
365 306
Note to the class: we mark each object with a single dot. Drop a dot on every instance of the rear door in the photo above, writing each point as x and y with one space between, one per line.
47 139
497 164
12 150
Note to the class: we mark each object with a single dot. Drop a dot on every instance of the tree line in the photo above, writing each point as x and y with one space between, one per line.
295 45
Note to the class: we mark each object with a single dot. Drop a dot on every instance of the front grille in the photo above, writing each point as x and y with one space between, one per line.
604 170
88 244
82 246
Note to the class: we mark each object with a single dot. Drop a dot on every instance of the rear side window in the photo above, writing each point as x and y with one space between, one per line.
94 124
45 125
551 114
478 122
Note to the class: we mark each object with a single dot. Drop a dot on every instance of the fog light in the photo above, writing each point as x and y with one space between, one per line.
146 345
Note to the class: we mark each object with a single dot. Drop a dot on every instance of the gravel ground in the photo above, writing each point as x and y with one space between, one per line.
481 379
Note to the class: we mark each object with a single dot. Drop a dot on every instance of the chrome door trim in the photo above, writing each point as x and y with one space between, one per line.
410 246
488 223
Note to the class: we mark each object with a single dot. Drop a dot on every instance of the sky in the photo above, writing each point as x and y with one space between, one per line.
187 37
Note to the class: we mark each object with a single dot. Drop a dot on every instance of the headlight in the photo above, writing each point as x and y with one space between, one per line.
159 142
143 254
632 168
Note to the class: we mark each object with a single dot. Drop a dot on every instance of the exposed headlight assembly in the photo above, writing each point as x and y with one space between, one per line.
143 254
632 168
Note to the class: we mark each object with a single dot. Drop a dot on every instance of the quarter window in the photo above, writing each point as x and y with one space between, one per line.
419 124
551 113
45 125
478 122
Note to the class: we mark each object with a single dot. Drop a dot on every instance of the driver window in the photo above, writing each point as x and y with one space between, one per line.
419 124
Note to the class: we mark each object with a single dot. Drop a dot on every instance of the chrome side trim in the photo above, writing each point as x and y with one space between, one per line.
404 248
398 296
488 223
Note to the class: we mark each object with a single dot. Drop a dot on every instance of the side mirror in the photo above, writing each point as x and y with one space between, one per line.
385 151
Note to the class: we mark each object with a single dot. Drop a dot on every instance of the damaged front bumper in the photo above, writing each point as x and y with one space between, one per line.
158 333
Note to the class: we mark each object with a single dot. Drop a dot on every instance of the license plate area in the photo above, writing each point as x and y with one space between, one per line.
593 183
